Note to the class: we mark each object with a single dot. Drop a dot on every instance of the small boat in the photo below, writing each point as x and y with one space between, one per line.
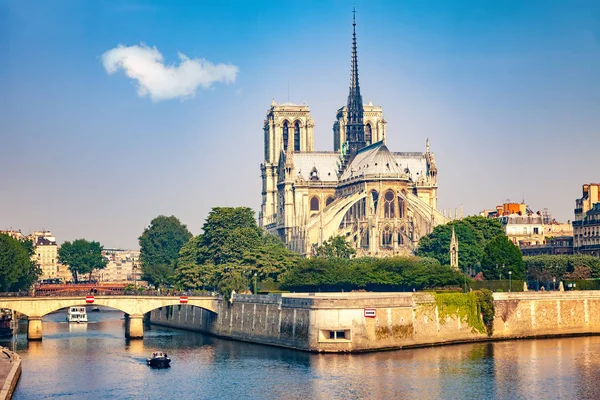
77 314
159 360
6 325
95 309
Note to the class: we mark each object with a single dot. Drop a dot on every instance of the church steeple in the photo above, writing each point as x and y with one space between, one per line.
355 128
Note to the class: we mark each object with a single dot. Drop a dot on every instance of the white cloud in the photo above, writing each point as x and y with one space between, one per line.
162 82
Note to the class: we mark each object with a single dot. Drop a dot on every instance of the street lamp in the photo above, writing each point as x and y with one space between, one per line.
509 280
553 283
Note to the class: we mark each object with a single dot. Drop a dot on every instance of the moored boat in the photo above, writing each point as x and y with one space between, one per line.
6 326
77 314
159 360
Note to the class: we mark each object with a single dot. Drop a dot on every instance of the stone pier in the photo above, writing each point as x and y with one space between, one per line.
34 328
134 326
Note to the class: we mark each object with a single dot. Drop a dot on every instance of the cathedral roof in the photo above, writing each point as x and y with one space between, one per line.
374 160
324 163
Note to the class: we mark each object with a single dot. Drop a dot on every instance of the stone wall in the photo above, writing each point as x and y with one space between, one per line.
337 322
254 318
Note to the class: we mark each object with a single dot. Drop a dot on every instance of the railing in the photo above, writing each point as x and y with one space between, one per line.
83 293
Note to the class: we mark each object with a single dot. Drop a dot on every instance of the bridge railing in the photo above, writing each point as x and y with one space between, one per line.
95 292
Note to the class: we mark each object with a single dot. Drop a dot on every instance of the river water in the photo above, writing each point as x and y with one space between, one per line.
95 361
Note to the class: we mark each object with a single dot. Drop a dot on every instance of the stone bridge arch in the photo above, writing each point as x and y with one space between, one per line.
134 308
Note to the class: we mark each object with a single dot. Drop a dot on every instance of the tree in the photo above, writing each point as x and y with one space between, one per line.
336 247
17 270
231 250
500 257
82 257
189 274
160 244
473 234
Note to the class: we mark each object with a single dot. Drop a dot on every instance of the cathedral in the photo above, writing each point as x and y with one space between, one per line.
381 201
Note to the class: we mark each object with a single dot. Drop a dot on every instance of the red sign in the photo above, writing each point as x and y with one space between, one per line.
183 299
370 312
89 299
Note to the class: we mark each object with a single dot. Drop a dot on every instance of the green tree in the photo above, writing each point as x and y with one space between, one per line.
336 247
160 244
82 257
473 234
500 257
231 250
17 270
189 274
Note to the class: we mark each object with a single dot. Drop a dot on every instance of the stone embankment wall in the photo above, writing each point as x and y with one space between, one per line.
10 372
273 320
338 322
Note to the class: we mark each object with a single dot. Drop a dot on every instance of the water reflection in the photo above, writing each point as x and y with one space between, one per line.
94 360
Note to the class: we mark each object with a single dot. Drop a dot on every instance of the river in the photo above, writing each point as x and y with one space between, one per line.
95 361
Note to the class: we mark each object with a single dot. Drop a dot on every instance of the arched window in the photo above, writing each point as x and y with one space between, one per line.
297 136
375 198
400 238
285 135
400 207
368 134
329 201
386 237
314 204
388 207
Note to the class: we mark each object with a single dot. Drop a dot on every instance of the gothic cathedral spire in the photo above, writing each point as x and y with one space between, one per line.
355 128
454 251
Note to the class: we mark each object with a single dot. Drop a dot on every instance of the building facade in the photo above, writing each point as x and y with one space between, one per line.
46 253
586 225
382 202
122 266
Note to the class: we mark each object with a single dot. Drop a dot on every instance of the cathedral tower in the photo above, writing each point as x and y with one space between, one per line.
285 125
355 127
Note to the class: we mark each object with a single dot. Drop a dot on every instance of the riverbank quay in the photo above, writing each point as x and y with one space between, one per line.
362 322
10 372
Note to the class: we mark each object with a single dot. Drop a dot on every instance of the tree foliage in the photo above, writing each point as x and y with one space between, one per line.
473 234
82 257
17 270
336 247
500 257
231 250
558 267
160 244
334 274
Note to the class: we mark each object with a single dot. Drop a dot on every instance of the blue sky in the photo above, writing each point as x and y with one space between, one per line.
507 91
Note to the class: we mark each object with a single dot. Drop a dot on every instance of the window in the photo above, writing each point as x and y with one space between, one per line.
285 135
314 204
330 335
375 198
388 207
368 134
536 231
297 136
329 201
386 237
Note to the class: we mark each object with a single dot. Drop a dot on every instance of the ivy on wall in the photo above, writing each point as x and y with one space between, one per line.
475 308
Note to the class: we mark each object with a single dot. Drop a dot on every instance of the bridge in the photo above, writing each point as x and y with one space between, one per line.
134 307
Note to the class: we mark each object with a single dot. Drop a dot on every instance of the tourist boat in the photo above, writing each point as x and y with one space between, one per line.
159 360
77 314
6 325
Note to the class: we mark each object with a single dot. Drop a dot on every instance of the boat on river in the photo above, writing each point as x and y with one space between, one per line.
6 322
159 360
77 314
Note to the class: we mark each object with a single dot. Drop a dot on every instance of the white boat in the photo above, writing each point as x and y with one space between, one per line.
77 314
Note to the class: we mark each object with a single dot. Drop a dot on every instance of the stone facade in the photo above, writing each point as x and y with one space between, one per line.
382 202
586 226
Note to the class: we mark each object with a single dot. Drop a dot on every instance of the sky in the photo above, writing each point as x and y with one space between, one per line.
115 112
